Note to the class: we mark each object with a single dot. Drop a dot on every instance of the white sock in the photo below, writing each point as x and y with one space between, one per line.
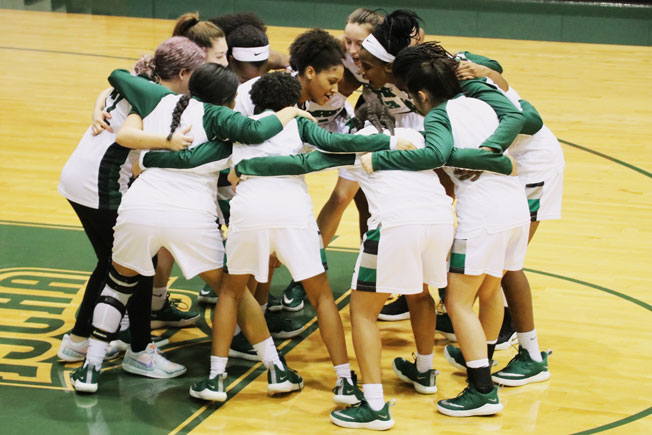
373 394
96 352
266 350
124 322
343 371
529 342
159 294
424 362
264 308
237 330
477 363
218 365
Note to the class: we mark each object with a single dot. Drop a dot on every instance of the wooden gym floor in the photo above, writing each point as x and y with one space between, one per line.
590 272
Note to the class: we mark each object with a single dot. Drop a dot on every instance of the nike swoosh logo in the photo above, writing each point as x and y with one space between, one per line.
383 416
258 54
492 400
339 414
287 301
454 404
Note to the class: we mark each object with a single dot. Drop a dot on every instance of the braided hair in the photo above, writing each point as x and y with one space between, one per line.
176 114
376 113
210 83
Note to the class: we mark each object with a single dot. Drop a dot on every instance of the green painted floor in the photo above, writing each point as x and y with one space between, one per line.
42 272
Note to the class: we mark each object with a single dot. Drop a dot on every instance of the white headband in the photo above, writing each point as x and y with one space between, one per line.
250 54
374 47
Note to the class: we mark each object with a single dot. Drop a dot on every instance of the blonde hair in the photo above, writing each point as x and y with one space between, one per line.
202 33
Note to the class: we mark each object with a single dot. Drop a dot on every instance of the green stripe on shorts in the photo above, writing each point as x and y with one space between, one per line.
458 256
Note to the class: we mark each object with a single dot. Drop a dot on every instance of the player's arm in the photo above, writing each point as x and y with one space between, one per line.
344 143
131 135
99 118
296 164
208 152
142 94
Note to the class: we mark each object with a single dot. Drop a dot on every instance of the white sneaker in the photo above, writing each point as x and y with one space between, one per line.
151 363
71 351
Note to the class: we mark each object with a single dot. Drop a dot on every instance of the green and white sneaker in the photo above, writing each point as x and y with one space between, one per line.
70 351
274 304
347 392
424 382
361 416
170 316
281 326
523 370
241 348
151 363
293 296
85 378
207 296
454 357
212 389
471 402
283 380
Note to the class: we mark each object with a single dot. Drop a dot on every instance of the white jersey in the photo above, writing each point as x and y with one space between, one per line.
403 197
271 202
399 105
537 156
97 173
494 202
176 189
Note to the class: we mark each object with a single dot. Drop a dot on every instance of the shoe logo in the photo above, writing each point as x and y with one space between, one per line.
492 400
341 415
203 292
383 415
453 404
287 301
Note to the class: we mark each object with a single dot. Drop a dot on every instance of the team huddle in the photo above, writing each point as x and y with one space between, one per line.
450 169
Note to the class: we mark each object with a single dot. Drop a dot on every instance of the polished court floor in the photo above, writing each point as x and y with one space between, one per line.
590 272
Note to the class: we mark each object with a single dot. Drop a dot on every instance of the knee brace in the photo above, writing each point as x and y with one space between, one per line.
112 303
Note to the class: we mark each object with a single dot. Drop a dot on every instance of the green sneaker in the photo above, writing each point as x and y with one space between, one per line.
207 296
445 326
274 304
283 380
361 416
293 296
212 389
85 378
523 370
471 402
281 326
347 392
424 382
454 357
241 348
170 316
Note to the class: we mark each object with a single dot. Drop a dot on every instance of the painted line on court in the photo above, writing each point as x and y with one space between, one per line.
608 157
70 53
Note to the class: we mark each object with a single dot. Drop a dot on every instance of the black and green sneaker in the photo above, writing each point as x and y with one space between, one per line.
454 357
85 378
274 304
241 348
207 296
212 389
293 296
283 380
170 316
471 402
423 382
522 370
361 416
346 392
282 326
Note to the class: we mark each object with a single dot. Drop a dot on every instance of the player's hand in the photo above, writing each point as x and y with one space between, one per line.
233 178
365 161
99 123
466 174
468 70
179 139
403 144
